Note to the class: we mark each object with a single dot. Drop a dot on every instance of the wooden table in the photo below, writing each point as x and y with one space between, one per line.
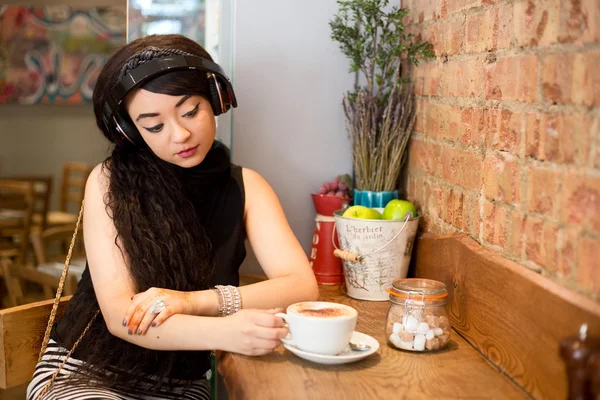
459 372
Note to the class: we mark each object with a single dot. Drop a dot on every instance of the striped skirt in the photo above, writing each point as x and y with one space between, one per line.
63 389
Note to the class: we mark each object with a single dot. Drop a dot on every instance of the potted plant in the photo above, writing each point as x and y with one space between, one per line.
380 110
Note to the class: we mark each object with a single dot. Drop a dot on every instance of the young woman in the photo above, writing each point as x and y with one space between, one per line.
165 221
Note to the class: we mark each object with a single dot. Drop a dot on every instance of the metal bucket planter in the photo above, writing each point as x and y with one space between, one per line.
374 253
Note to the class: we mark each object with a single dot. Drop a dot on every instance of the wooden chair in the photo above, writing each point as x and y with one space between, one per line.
16 210
21 333
42 189
50 266
74 177
72 190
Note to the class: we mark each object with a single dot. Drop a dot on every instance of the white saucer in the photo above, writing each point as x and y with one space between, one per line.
346 356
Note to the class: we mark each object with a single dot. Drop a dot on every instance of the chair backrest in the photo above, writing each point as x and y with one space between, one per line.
74 176
43 242
22 330
50 248
16 204
42 189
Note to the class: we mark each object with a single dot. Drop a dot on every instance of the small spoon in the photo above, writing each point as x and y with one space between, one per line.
359 346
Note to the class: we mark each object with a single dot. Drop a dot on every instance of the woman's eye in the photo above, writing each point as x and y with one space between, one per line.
192 112
154 129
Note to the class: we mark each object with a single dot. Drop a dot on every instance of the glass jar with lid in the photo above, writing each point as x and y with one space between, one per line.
417 319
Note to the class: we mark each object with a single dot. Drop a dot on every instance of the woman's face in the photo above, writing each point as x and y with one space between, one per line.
178 129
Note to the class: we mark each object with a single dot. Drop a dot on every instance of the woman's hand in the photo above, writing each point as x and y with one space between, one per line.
139 316
253 332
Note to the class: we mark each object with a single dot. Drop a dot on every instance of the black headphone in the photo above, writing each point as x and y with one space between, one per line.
222 97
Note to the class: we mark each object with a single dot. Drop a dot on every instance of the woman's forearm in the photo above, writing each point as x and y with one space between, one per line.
203 331
280 292
249 332
276 293
273 293
179 332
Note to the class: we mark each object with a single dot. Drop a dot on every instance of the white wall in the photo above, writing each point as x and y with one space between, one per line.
39 139
289 78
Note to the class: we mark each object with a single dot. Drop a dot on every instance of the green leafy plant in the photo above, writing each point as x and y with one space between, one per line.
380 113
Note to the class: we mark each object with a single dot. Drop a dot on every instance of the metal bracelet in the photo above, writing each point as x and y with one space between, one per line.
230 300
221 297
237 299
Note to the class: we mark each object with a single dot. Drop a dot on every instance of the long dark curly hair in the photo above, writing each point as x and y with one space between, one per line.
152 217
157 228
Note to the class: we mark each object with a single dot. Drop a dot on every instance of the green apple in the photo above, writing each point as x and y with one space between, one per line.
361 212
396 209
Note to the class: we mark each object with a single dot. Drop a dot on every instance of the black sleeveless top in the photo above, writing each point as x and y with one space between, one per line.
222 216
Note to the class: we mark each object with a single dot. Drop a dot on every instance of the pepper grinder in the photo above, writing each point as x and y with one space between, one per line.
593 374
575 351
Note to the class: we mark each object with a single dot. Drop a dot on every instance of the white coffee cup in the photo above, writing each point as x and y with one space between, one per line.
320 327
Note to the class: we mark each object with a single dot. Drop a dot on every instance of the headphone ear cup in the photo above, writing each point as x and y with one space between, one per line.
215 95
126 129
227 96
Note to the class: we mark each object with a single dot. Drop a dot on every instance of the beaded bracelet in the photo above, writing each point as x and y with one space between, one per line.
230 300
237 299
221 297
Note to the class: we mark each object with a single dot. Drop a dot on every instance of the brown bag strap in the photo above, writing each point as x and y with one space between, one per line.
60 286
55 308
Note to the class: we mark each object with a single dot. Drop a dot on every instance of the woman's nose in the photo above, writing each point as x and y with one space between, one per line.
180 134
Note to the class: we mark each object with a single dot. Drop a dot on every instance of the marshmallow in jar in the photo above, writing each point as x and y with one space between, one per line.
417 319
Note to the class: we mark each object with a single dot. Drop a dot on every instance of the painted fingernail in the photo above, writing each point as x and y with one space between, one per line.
129 332
139 331
124 322
154 324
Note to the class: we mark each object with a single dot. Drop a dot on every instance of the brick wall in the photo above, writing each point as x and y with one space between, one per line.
507 141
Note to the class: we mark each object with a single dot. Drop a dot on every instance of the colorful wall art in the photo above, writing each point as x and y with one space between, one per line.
52 55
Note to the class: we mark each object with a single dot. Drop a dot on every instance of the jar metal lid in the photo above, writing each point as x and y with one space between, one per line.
429 289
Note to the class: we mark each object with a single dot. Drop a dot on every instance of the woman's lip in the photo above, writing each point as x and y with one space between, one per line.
188 152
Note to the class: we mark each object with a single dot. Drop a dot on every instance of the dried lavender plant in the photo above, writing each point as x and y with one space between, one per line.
379 136
379 115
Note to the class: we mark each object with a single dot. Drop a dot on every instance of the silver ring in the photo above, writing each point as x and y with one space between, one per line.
157 306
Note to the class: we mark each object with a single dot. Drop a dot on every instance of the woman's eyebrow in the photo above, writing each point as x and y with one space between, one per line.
182 100
146 115
149 115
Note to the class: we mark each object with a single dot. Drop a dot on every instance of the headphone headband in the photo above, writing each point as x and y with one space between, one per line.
158 66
